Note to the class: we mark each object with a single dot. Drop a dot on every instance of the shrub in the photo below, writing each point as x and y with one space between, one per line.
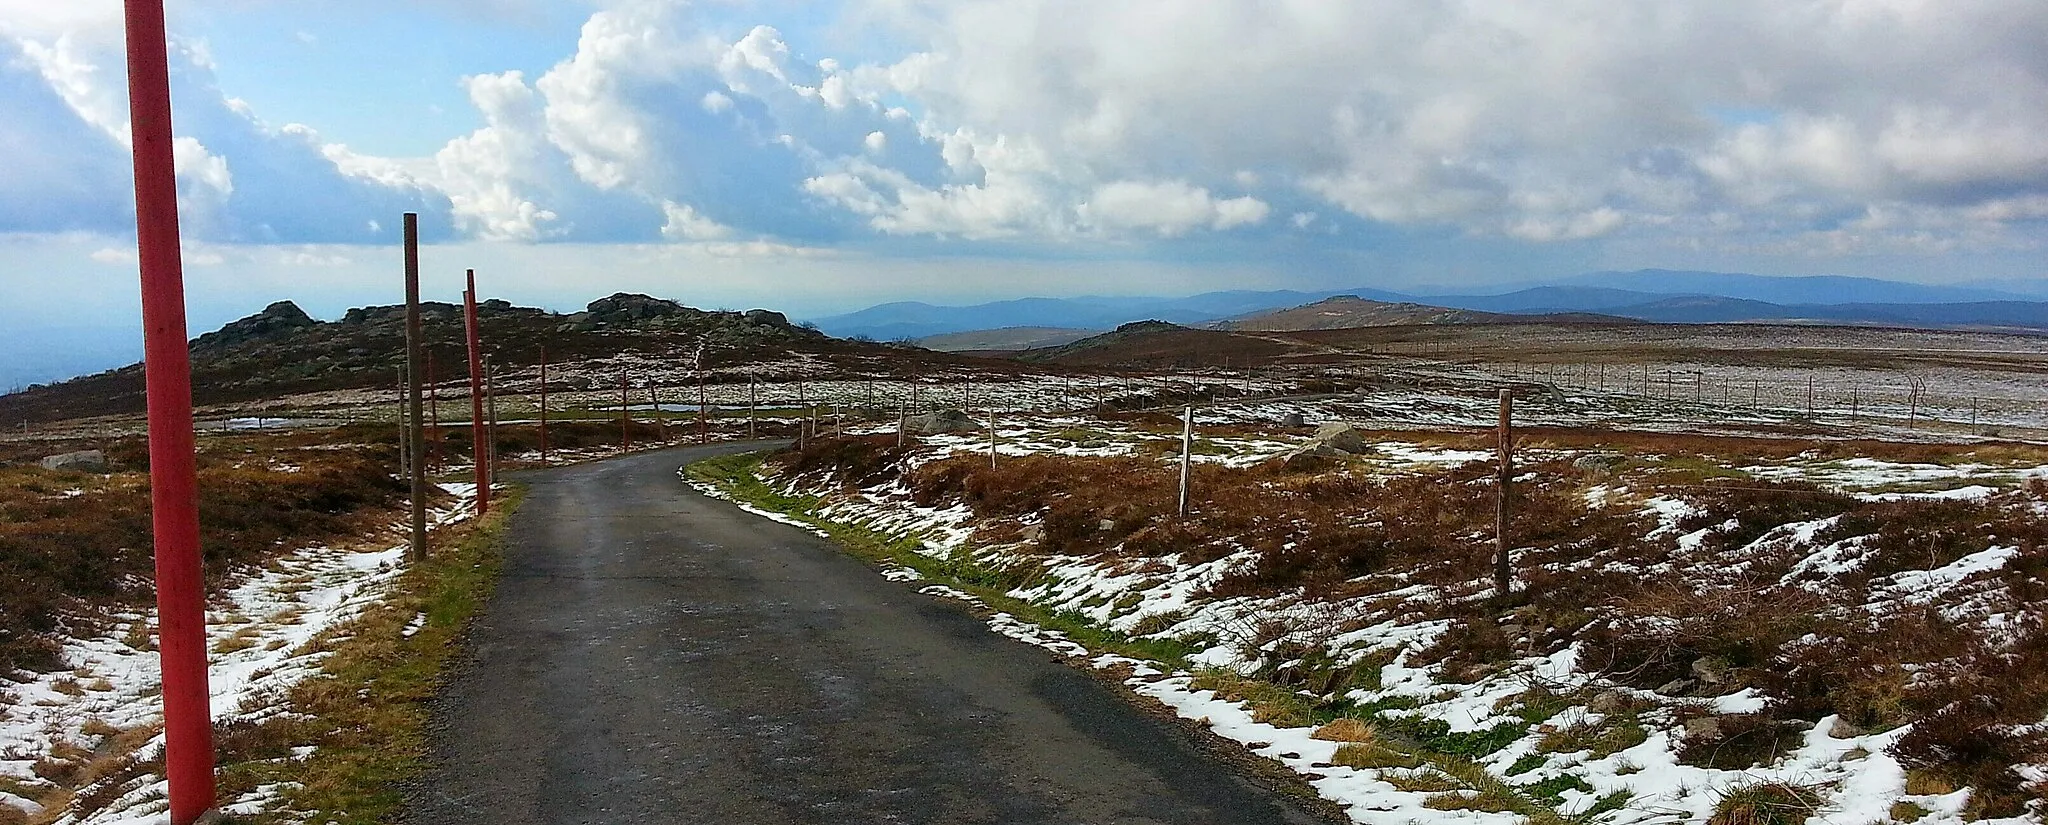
1766 803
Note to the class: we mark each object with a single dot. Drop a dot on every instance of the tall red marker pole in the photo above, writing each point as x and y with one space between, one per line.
173 475
479 446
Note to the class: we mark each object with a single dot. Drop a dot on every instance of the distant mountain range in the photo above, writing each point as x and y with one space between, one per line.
1664 296
1349 312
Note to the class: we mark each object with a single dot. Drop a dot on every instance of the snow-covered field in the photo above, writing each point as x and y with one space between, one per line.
259 632
1641 779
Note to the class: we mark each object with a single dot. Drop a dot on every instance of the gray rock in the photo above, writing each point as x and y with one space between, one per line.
766 318
942 421
1292 420
1600 462
1608 702
1341 436
1310 457
1703 727
83 461
1710 670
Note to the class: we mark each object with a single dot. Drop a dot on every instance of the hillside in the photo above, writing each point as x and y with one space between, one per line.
1351 311
1160 345
1004 339
282 351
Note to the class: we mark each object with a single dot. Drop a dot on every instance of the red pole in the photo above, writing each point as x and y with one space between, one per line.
479 447
543 406
173 474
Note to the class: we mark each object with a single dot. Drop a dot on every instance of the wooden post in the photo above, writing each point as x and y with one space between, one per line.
479 451
703 411
543 406
625 414
491 394
751 401
415 433
1503 571
991 436
433 412
660 415
901 417
1187 453
404 429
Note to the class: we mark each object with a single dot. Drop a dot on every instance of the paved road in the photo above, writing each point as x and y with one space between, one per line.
656 656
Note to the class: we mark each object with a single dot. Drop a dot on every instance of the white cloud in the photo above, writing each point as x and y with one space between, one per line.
1562 122
876 142
1169 208
488 173
686 224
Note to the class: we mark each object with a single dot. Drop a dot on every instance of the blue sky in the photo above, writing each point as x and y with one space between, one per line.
818 157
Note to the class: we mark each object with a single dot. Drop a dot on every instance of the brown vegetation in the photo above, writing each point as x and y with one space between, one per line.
71 543
1736 611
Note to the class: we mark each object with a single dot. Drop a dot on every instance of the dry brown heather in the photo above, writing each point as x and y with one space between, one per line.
73 544
1644 610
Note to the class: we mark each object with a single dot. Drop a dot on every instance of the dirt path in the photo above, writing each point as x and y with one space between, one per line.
657 656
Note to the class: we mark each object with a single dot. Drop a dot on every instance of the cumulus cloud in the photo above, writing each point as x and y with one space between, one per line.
1169 208
1564 121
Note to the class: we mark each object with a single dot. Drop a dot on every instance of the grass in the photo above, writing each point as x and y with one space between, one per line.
1766 803
366 712
739 477
1605 738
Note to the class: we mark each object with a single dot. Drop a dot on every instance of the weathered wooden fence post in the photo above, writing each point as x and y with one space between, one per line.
415 432
1187 453
1503 571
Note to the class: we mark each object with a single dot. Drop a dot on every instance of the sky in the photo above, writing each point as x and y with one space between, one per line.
817 157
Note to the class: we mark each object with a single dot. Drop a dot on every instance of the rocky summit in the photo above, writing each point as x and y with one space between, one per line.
282 350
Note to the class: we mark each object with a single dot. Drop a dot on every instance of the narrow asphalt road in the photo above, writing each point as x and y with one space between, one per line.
653 655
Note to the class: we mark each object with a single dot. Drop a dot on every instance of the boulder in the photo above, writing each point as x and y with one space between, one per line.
1293 419
1340 436
942 421
83 461
766 318
1310 457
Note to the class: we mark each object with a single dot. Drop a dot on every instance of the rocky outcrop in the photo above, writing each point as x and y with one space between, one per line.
628 307
275 321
